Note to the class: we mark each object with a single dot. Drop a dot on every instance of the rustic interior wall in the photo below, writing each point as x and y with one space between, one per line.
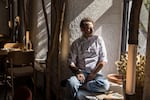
38 28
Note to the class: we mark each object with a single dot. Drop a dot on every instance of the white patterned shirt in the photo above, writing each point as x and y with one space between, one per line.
85 53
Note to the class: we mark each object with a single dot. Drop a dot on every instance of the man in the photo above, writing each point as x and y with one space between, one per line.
86 59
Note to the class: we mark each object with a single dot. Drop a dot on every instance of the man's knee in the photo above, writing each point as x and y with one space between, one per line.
73 81
98 86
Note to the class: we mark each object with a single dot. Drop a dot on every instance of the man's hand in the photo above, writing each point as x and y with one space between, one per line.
90 77
81 77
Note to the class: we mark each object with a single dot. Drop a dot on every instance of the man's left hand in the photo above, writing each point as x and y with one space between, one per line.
90 77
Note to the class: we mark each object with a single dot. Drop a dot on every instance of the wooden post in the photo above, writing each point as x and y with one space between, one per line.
132 47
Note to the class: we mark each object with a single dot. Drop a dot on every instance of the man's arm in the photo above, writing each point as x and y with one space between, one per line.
80 76
74 69
98 67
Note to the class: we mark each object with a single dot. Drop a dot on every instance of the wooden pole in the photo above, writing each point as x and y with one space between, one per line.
132 47
48 88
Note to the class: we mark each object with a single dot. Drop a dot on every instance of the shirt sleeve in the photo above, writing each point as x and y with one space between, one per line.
72 54
102 50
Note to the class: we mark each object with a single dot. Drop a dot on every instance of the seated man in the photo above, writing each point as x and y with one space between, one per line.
86 59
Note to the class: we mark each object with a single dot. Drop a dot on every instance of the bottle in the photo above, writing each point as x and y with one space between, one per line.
28 42
28 45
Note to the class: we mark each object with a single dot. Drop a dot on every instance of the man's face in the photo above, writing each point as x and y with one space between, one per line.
87 29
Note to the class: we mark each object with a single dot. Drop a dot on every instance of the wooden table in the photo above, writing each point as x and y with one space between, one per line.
3 57
3 52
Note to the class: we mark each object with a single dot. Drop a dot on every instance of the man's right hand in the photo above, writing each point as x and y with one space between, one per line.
81 77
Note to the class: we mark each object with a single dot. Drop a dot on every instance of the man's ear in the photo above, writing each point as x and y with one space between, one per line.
82 29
